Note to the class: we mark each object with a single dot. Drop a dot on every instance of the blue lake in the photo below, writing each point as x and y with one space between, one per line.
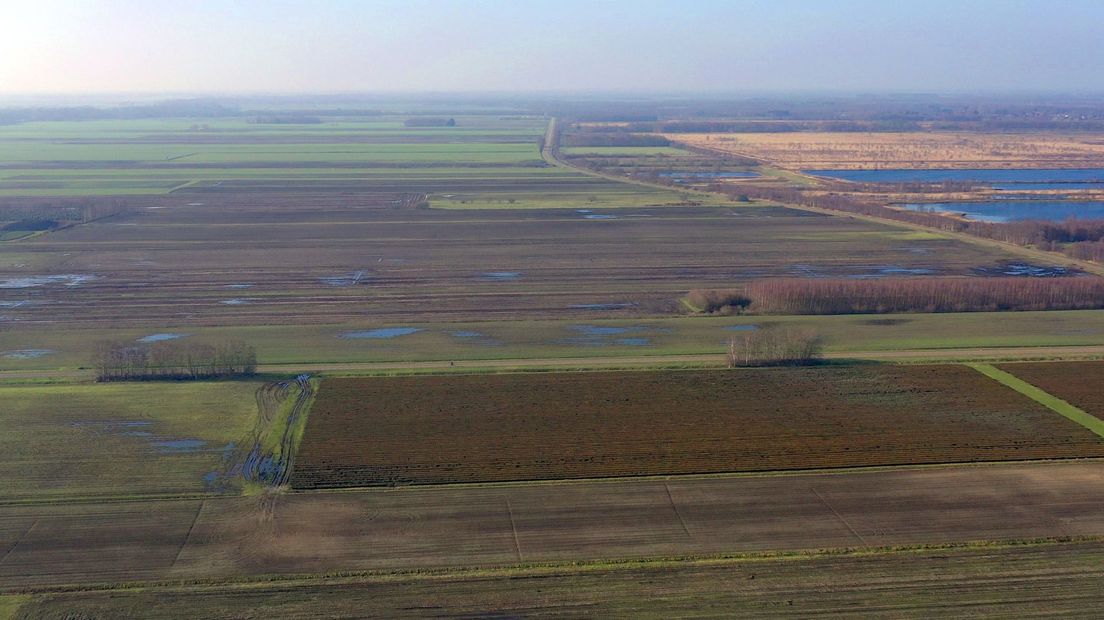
1018 210
1054 178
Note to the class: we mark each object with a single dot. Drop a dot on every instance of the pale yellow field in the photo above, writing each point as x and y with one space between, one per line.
855 150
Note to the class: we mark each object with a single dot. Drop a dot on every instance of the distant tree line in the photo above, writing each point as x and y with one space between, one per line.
889 295
116 360
429 121
286 119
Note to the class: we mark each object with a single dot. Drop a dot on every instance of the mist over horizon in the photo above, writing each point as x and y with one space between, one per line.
125 48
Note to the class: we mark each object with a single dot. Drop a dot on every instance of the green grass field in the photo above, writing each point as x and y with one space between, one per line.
118 440
71 348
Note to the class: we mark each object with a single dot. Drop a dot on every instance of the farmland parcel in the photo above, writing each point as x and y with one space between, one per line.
445 429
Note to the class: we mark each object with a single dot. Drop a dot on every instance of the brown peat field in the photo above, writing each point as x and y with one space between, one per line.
447 429
904 490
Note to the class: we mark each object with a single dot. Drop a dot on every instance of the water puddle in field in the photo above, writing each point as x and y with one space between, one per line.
383 333
15 304
741 328
238 301
179 445
803 270
599 216
911 271
596 330
162 337
891 270
477 338
25 354
1026 270
857 272
500 276
348 279
141 429
612 335
69 279
610 306
239 286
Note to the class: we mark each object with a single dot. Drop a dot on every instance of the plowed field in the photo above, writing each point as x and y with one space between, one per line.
1080 384
442 429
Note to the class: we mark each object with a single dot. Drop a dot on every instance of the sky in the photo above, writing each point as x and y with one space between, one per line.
734 46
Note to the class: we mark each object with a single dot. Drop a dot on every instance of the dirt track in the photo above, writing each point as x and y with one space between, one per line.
470 525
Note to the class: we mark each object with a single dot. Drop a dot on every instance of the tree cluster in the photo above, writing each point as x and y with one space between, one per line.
124 361
775 346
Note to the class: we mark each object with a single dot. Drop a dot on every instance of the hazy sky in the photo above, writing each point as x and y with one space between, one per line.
143 46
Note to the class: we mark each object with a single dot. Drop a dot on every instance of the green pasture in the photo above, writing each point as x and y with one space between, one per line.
535 339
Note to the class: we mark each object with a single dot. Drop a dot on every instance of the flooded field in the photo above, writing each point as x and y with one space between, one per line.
1017 210
383 333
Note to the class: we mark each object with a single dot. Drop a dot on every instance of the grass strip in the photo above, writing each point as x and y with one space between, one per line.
9 605
1049 401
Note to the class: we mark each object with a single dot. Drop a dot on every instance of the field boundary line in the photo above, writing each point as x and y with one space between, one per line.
188 534
1042 397
838 515
513 528
19 541
766 473
674 507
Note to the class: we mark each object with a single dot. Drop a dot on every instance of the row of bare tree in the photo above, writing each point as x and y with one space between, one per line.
116 360
886 295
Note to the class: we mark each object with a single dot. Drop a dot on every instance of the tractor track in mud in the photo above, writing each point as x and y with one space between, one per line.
250 460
